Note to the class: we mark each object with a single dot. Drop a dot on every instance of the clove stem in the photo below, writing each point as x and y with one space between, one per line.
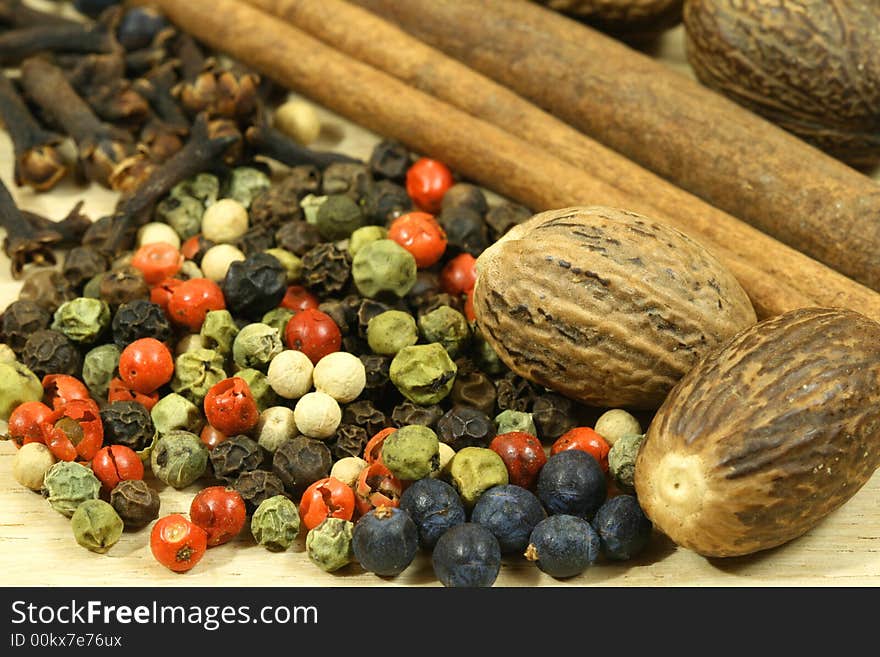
269 142
21 43
23 243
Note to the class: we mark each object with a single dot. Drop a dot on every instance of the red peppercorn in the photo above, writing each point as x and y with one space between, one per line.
420 234
220 511
586 440
26 422
160 294
74 431
190 247
178 543
145 365
58 389
377 486
373 448
230 406
299 298
523 455
211 437
469 313
427 181
192 300
459 274
118 390
157 261
314 333
116 463
326 498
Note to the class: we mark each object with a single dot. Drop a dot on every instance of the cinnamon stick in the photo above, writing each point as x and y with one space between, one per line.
477 149
663 120
379 43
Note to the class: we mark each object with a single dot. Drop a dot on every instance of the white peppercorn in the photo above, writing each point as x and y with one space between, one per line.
276 424
444 459
616 423
224 222
317 415
31 463
341 375
347 469
216 261
298 120
157 231
290 374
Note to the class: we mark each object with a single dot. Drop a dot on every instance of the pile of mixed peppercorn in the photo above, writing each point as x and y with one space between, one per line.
299 340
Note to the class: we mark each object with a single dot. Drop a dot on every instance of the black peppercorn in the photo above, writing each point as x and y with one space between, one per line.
300 462
298 237
82 263
553 415
51 352
466 231
435 300
474 388
22 318
514 393
255 240
427 285
368 309
465 426
406 412
136 502
277 205
378 370
235 455
363 413
335 308
505 216
465 195
98 231
254 486
384 201
349 440
254 286
326 269
48 288
139 319
390 159
354 344
127 423
349 178
122 285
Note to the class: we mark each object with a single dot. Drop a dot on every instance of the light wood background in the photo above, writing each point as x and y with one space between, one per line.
37 546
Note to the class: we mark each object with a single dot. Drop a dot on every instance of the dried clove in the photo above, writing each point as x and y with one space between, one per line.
100 80
156 86
100 145
220 92
24 244
15 14
209 142
190 56
70 229
262 139
38 164
18 44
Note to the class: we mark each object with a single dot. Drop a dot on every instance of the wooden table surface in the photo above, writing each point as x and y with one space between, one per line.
37 546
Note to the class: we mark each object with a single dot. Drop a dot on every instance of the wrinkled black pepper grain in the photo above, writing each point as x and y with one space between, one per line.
349 178
390 159
465 426
406 412
301 461
368 309
476 389
135 502
254 486
466 232
515 393
349 440
465 195
298 237
505 216
20 319
254 286
326 269
127 423
364 413
51 352
82 263
236 455
255 240
138 319
48 288
277 205
384 201
337 311
553 415
122 285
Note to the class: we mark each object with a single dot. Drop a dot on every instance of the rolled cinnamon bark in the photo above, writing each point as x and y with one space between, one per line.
481 151
663 120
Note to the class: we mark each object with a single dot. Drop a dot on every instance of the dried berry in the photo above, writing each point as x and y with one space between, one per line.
349 440
277 205
22 318
48 288
465 426
256 240
127 423
466 232
50 352
466 195
298 237
254 486
138 319
301 461
83 320
474 389
136 502
326 269
235 456
179 458
553 415
384 201
123 285
254 286
276 523
96 525
501 218
196 372
390 159
406 412
82 263
329 544
363 413
515 393
68 484
424 374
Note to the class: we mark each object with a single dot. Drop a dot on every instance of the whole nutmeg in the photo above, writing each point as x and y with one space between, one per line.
625 18
810 66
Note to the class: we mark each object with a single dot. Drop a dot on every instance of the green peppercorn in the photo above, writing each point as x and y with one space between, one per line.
423 373
174 411
195 372
412 452
622 459
292 263
99 367
96 525
83 320
447 327
511 420
275 524
338 217
329 544
245 183
363 236
258 383
383 266
179 458
182 213
474 470
390 331
256 345
135 502
17 386
219 331
278 318
68 484
203 186
92 289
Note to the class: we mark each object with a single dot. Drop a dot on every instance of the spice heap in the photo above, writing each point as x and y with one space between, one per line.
294 335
